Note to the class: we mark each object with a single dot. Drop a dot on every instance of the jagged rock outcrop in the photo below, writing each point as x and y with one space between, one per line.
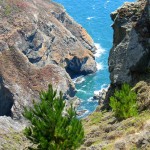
129 58
129 62
39 42
130 54
21 81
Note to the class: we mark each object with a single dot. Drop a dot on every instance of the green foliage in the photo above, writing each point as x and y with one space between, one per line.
123 103
8 10
50 129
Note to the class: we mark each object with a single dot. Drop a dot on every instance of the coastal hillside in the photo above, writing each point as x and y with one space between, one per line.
129 61
40 44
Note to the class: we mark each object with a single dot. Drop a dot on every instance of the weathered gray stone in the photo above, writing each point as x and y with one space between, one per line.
129 54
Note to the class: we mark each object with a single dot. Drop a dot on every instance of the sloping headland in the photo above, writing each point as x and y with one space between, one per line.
41 44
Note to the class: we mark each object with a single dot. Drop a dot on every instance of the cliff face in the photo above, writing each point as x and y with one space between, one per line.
39 44
129 61
130 54
129 58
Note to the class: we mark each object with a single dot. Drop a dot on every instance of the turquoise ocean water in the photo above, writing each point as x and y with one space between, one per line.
94 16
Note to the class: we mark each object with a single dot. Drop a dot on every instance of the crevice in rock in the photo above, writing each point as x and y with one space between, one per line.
34 60
6 100
74 67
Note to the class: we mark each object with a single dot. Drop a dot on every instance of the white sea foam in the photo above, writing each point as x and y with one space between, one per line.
84 86
99 66
89 18
85 113
97 92
82 91
99 51
92 100
105 5
103 87
79 80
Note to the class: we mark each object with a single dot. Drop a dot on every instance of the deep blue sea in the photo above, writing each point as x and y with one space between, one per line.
94 16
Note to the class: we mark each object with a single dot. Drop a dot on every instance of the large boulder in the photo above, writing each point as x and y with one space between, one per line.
129 58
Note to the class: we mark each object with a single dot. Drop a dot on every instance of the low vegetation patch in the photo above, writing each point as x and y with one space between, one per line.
11 6
123 102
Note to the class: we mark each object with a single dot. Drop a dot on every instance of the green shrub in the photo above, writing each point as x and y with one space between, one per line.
50 129
8 10
123 103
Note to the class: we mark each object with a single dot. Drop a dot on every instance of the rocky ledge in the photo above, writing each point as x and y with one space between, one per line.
45 34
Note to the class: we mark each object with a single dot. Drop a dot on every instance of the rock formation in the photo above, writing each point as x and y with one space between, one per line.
129 61
131 50
39 44
129 57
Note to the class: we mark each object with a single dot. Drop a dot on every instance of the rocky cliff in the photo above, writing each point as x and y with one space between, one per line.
130 55
129 61
39 44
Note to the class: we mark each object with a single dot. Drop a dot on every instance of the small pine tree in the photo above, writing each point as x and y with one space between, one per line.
123 103
49 129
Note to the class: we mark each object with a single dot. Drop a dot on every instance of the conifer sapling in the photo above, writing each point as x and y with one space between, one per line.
50 129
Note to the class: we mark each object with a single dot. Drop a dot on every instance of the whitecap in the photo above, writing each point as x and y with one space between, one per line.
89 18
106 3
99 66
103 87
99 50
82 91
79 80
92 100
84 86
